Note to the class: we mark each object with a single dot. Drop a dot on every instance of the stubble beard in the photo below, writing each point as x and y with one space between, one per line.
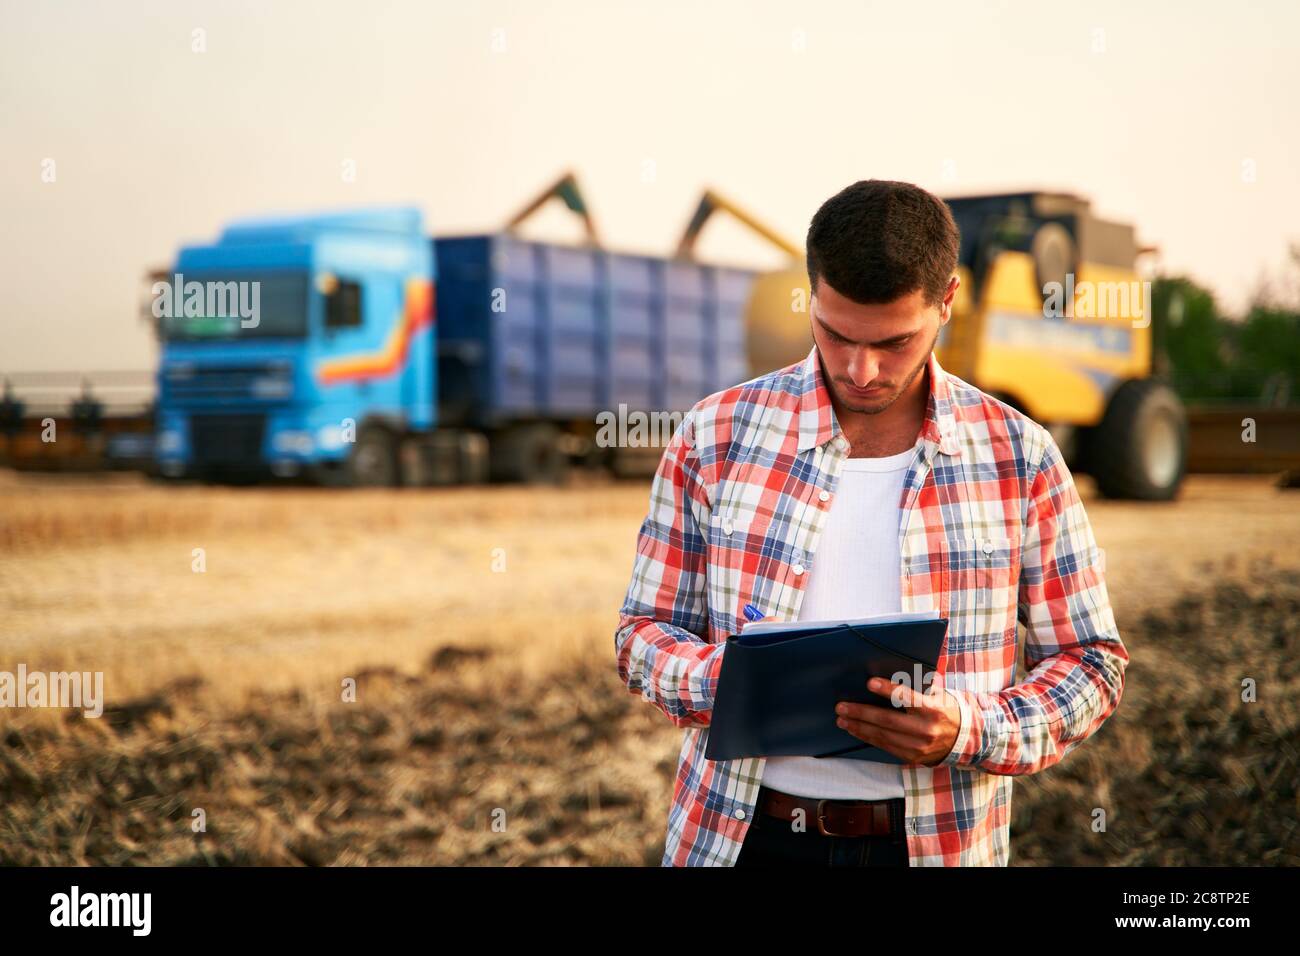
878 408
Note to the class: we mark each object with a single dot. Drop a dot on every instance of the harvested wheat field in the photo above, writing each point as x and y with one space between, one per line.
489 725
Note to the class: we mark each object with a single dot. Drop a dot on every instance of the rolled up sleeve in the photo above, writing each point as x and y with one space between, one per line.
661 641
1073 652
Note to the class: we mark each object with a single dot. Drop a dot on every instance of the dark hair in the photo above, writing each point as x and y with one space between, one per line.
878 240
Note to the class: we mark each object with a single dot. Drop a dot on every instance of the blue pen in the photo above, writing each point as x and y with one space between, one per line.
752 613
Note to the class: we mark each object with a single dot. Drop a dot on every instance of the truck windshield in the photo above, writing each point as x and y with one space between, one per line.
204 306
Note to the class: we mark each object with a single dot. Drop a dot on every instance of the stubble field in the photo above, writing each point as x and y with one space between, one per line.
489 725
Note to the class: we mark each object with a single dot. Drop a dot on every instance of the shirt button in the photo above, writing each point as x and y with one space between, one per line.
988 547
824 496
911 826
727 526
740 814
840 442
798 569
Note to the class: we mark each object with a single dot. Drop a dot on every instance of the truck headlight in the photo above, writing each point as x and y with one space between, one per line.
272 387
330 437
170 441
293 443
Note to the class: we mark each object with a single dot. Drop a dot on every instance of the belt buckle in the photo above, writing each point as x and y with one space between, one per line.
821 825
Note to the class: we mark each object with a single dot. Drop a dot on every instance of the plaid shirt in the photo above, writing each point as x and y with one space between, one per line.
992 533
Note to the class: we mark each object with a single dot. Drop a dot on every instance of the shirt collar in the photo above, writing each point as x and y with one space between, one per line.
818 423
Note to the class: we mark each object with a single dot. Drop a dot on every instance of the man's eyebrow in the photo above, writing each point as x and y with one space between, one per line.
889 341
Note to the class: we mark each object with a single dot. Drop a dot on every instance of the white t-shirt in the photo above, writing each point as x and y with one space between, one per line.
855 573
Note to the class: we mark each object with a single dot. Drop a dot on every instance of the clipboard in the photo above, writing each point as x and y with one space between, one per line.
777 691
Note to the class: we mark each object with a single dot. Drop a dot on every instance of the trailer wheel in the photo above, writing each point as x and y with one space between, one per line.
1139 450
529 454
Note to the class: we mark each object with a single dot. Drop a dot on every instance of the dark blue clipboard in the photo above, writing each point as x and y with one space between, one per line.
777 692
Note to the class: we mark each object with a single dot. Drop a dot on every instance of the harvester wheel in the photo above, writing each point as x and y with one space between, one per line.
1139 450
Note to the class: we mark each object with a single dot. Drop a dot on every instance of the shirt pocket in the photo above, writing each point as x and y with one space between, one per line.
729 546
981 583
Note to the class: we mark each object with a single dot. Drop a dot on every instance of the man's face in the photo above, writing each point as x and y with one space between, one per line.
871 354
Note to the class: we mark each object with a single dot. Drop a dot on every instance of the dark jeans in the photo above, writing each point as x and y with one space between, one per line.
770 841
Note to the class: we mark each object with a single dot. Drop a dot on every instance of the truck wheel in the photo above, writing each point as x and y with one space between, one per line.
529 454
373 462
1139 450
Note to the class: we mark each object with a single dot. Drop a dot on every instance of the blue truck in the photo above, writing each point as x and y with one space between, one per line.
350 348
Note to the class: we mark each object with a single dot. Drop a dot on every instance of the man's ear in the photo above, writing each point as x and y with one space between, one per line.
953 284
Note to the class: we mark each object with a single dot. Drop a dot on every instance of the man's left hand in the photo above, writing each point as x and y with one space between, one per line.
920 728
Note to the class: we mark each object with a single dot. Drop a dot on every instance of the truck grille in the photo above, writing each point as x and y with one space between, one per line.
222 383
227 439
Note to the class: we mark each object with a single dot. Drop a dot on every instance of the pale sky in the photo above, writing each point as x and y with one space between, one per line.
1178 117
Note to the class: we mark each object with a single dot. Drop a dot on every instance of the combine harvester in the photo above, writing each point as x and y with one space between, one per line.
1081 366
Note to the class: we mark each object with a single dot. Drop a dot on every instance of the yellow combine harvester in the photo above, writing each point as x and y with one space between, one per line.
1051 317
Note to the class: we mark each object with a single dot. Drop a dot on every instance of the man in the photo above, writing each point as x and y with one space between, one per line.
862 480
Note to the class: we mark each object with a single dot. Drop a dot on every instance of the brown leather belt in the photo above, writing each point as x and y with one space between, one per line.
850 818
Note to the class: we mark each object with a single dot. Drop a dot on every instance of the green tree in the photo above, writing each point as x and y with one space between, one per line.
1190 339
1209 357
1268 342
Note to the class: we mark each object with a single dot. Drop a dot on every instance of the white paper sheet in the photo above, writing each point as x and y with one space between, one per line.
897 617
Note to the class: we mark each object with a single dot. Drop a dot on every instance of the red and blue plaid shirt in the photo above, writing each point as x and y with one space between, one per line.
992 533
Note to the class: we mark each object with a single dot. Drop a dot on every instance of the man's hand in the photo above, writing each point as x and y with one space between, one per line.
920 728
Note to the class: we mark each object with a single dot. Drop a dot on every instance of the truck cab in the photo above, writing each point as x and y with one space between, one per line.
297 346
